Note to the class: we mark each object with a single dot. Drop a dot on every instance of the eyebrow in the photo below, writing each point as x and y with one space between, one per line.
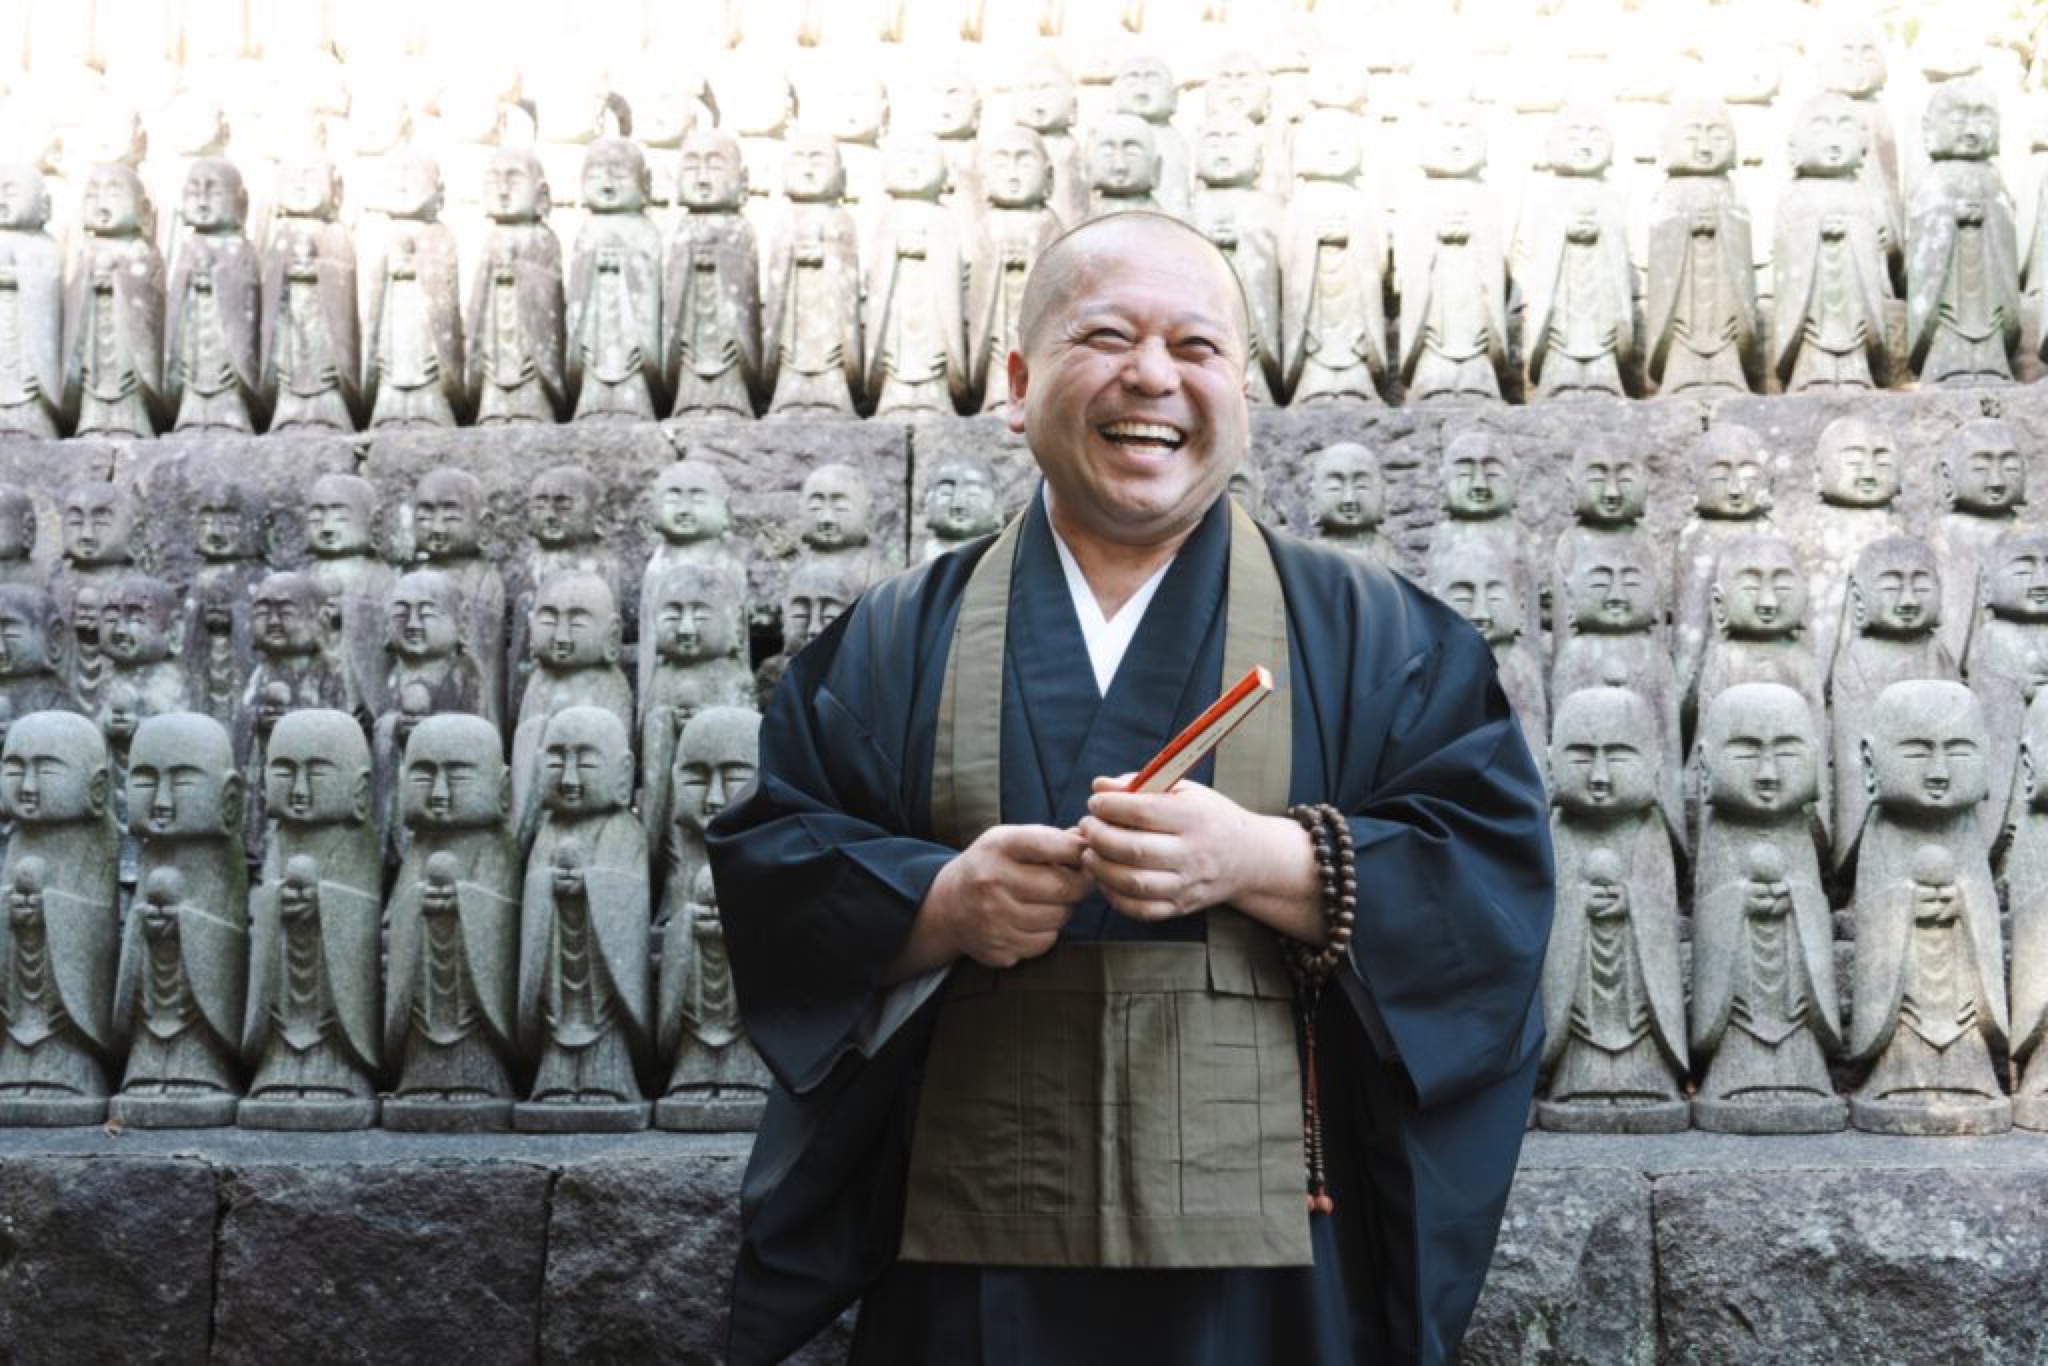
1089 310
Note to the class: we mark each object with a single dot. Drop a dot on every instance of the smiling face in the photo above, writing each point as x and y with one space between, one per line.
1016 173
562 509
455 776
1759 589
1227 155
1926 748
712 175
1130 387
1961 123
690 503
1895 590
422 617
2016 575
1859 466
961 502
317 770
1144 87
1761 750
286 614
115 202
1603 752
1828 138
1613 590
715 758
574 623
214 200
53 769
1610 484
1347 490
447 513
99 521
340 509
181 778
1986 473
1733 480
696 611
614 177
1478 481
1123 157
515 188
835 503
586 763
135 621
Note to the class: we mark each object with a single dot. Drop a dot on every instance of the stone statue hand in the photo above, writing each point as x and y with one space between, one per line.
809 254
1334 234
1224 236
502 272
1969 213
1455 230
1582 232
158 920
24 909
568 879
438 898
298 903
1606 901
610 261
1767 901
1834 227
1935 905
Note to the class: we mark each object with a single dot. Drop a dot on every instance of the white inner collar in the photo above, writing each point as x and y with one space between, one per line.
1107 637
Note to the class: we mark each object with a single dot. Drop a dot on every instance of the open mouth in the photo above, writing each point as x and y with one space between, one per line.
1150 437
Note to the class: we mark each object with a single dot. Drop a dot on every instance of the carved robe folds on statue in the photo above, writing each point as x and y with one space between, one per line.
1579 328
1701 309
413 374
31 307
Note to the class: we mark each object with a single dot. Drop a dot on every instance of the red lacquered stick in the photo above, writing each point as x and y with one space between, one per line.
1187 749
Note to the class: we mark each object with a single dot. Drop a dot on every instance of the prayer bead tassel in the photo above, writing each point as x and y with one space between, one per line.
1311 967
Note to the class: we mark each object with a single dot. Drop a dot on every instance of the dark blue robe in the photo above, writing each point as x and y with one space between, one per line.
1427 1055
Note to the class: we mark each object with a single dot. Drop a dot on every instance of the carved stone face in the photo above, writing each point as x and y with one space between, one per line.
1228 154
53 769
614 177
574 623
455 777
413 188
586 763
955 106
1828 137
340 512
1961 122
1337 81
24 198
1580 144
1759 589
1761 750
852 108
17 524
1859 466
515 188
1926 748
1611 485
1123 157
308 187
99 522
1699 139
181 778
1477 480
85 618
423 617
1326 147
1348 494
214 200
715 758
2016 573
286 614
1238 88
914 168
812 172
1734 480
695 611
1612 590
1986 473
27 617
223 528
317 770
562 509
713 176
961 502
1045 100
447 513
1455 145
835 502
816 596
1016 173
1896 589
1481 588
115 203
690 503
1852 61
1603 752
136 621
1144 87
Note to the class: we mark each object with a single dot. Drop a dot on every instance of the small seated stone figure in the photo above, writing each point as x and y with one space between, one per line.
2024 871
139 632
1700 312
513 323
711 301
1765 1011
424 639
561 516
1984 484
99 522
1479 511
341 523
1045 102
447 520
1731 500
1450 269
1348 498
1610 484
810 298
837 506
220 649
1333 326
2007 660
114 312
691 510
1830 277
33 642
1858 466
211 371
184 972
960 504
450 1005
912 324
698 661
1016 223
816 594
1580 329
293 624
574 639
1481 586
1613 999
312 356
315 1004
1889 636
1609 597
951 112
18 537
1144 89
1243 221
412 314
1962 255
614 299
1124 167
584 976
31 307
716 1080
1928 1005
1758 615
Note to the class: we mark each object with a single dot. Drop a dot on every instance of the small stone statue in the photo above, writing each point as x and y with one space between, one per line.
412 314
18 537
615 283
450 1011
1450 268
294 625
811 297
1610 490
211 375
836 506
951 113
1144 89
717 1081
1349 502
1015 225
699 661
2025 874
1479 511
220 649
514 322
2007 659
1929 993
583 970
711 301
960 504
31 307
561 516
912 324
1984 484
1765 1011
1580 330
1758 610
1333 327
1124 167
1613 999
1853 71
1731 500
1243 221
814 597
1962 253
341 521
1830 277
141 637
447 520
312 358
314 1000
575 640
99 521
184 971
1859 503
1045 103
114 312
424 638
1700 310
691 509
33 637
61 934
1481 586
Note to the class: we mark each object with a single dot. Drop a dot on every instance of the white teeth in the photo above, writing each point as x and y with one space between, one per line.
1144 431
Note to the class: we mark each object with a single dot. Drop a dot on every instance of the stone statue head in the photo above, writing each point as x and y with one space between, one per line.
696 614
1828 138
812 171
1045 99
1347 491
1760 750
316 770
341 516
214 200
455 775
1613 588
53 770
1699 138
120 714
960 501
1481 588
1247 484
291 614
228 524
1925 749
914 167
1759 590
1610 481
715 758
182 778
24 198
691 502
1228 154
1859 464
1895 588
835 503
85 618
1238 88
1144 88
308 186
1604 751
586 763
33 633
574 623
1454 144
1982 470
852 105
17 524
99 524
561 511
713 174
1580 143
516 187
447 514
1961 122
115 204
615 178
1732 473
1016 172
816 595
1326 147
423 617
1479 477
2016 576
1852 60
1123 157
952 105
413 188
139 621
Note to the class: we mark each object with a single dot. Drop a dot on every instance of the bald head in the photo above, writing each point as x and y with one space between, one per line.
1079 254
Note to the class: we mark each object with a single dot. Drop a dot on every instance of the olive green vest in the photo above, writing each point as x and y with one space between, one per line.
1115 1104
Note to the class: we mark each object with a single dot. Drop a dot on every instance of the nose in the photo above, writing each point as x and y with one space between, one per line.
1149 370
1767 768
1600 775
302 787
1767 599
440 793
163 808
714 795
1937 765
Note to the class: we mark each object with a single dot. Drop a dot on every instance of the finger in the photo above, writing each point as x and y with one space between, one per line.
1046 884
1035 917
1132 882
1116 784
1033 945
1140 908
1132 848
1037 844
1150 811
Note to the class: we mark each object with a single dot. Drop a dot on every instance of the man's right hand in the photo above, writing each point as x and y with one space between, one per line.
1000 902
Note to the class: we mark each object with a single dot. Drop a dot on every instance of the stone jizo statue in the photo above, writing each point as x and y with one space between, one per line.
1333 330
1243 221
33 642
1610 482
912 324
220 647
711 297
575 641
1984 484
1348 498
960 504
1481 585
810 296
1731 499
562 519
1581 331
1450 268
413 371
2024 871
1144 89
2007 655
514 322
614 324
1478 469
1017 222
1858 469
1700 312
114 312
448 508
695 615
312 357
18 537
341 524
31 307
1962 256
1831 280
212 376
1125 167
